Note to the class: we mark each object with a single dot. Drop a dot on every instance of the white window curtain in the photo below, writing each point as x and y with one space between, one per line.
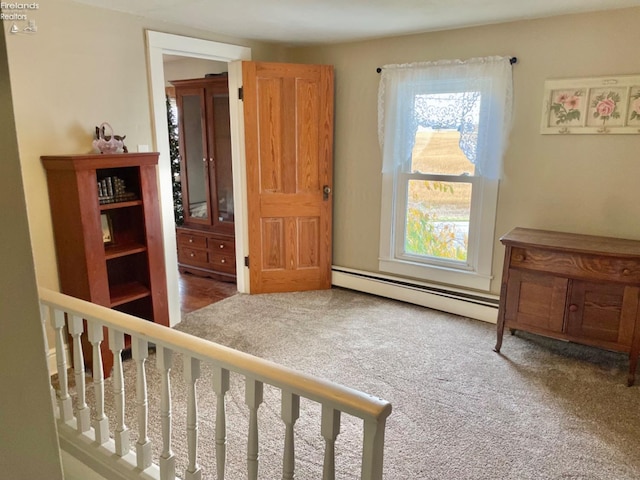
473 96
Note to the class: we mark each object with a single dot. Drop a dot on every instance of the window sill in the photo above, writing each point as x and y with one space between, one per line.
449 276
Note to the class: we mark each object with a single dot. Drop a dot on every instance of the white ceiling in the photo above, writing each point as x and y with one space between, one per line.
300 22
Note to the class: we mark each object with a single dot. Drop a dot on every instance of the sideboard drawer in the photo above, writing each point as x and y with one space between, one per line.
572 264
192 255
223 263
217 245
197 241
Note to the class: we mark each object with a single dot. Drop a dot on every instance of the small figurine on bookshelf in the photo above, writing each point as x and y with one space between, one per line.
105 143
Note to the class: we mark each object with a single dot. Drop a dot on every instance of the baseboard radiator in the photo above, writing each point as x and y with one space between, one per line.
465 303
104 443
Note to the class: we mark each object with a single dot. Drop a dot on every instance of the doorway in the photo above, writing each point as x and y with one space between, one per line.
196 290
158 45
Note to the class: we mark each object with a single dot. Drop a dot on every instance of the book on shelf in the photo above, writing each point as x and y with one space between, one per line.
113 190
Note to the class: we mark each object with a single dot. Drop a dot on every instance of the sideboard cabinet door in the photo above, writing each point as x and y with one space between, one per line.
602 312
536 301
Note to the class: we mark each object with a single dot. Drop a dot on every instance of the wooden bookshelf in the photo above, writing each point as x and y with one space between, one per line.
126 271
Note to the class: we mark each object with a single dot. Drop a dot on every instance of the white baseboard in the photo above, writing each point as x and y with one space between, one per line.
467 304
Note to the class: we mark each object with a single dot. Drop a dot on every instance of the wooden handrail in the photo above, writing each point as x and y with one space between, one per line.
343 398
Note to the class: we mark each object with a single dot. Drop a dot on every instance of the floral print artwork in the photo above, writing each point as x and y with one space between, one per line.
595 105
565 106
634 106
605 106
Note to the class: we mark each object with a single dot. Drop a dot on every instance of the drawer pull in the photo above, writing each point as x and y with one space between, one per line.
192 254
222 245
223 261
573 308
190 239
519 258
626 271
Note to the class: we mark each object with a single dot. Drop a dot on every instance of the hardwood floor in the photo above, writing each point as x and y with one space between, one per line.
197 292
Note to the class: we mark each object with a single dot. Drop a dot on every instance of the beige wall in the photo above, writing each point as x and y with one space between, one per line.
28 440
585 183
84 66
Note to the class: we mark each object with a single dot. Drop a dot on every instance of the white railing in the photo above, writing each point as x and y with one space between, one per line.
103 443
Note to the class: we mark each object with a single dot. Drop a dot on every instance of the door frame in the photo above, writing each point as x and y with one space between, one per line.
158 44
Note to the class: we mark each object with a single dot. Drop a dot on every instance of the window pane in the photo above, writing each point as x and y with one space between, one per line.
438 151
437 222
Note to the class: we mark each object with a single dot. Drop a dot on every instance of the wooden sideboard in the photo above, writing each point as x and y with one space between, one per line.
579 288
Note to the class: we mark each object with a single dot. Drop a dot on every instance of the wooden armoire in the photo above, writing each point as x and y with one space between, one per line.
206 243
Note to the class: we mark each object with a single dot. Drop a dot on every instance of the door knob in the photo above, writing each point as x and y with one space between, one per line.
326 190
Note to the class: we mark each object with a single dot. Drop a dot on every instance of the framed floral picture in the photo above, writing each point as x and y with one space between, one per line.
598 105
107 230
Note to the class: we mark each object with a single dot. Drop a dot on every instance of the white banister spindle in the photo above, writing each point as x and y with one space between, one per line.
373 448
83 413
64 399
121 434
330 428
290 413
253 399
140 352
164 360
44 313
220 387
100 422
191 375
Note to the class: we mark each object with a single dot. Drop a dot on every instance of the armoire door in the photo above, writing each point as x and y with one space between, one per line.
288 123
220 164
194 155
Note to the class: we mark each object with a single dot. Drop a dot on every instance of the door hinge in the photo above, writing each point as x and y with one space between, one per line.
240 93
246 261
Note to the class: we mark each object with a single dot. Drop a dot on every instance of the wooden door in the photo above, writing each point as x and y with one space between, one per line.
288 120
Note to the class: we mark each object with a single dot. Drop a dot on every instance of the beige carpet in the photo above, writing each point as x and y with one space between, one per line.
541 410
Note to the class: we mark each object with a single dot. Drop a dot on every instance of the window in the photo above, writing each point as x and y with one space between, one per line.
443 129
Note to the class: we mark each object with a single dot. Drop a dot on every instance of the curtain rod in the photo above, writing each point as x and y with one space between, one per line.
512 60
